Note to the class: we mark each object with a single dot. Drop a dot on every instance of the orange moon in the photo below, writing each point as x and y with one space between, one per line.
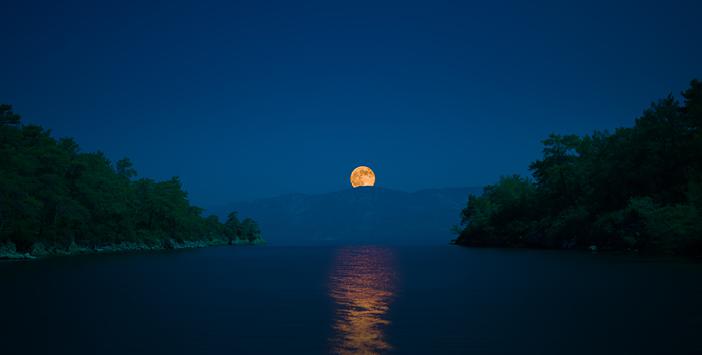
362 176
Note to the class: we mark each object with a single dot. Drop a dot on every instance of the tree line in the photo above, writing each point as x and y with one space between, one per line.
54 194
638 188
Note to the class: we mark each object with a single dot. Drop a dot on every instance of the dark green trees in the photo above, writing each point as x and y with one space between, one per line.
7 117
52 194
637 188
250 230
504 209
246 230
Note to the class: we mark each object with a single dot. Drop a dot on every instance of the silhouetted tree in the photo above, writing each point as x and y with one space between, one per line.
7 117
52 193
637 188
250 230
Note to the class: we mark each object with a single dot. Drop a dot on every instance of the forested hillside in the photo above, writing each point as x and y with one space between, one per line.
637 188
55 199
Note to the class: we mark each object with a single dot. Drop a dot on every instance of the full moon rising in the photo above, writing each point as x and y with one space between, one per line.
362 176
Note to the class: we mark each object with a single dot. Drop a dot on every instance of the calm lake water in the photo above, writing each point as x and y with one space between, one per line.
360 299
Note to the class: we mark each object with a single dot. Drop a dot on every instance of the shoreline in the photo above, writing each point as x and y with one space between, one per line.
591 249
41 250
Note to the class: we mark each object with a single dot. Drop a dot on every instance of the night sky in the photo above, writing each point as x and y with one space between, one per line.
248 100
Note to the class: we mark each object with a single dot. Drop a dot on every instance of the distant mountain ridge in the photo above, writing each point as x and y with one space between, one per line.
361 215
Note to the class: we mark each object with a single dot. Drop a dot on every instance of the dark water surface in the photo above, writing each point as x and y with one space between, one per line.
281 300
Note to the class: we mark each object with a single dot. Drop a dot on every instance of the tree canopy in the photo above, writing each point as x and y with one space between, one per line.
637 188
52 193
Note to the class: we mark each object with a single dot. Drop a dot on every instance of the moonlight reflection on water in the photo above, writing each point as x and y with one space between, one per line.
362 285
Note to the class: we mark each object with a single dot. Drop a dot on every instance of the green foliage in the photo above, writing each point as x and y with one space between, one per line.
233 225
250 230
503 209
7 117
637 188
50 192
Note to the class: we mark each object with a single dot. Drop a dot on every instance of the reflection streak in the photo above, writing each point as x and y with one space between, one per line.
362 286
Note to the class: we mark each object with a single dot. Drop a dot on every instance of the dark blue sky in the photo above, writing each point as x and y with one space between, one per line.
246 100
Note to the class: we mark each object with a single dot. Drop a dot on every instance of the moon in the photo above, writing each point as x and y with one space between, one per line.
362 176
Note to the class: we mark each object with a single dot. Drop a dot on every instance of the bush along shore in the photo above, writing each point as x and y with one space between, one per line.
636 189
57 200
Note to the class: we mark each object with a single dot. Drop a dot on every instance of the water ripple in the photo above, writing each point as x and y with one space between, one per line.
362 286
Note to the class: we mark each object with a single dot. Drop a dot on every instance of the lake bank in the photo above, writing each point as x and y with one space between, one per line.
594 249
8 250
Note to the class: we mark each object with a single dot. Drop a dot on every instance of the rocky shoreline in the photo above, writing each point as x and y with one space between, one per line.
8 250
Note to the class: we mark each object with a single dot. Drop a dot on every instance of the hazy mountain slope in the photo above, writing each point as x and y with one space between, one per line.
363 215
